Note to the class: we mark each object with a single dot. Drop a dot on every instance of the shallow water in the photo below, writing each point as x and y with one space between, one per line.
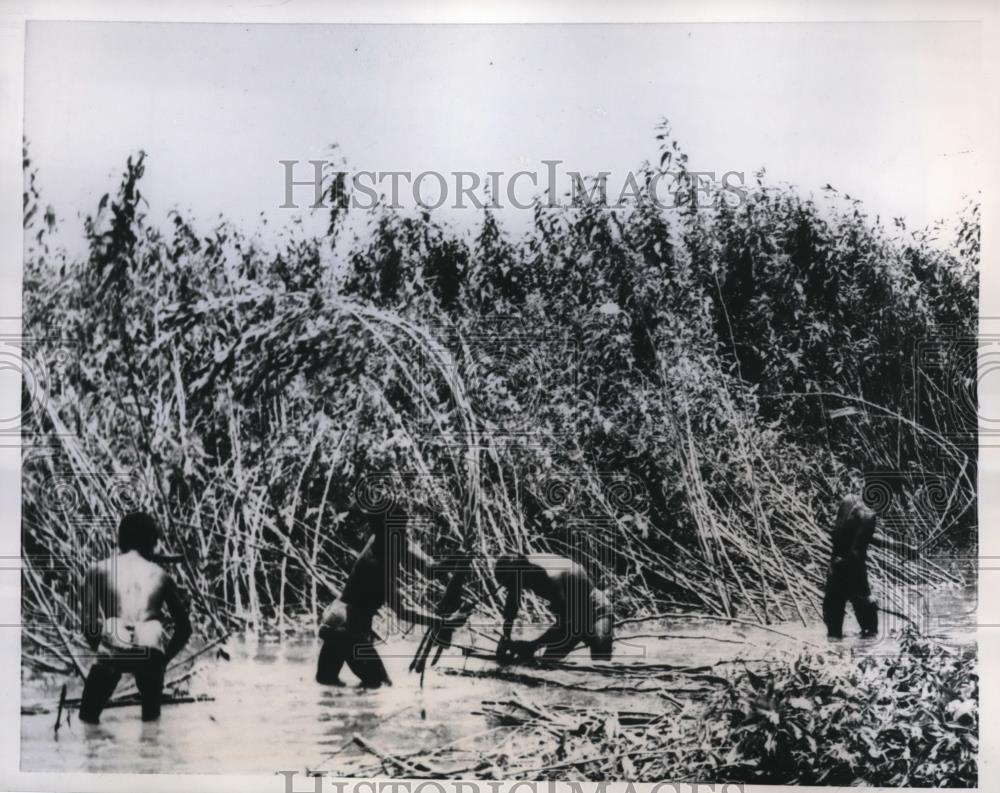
268 714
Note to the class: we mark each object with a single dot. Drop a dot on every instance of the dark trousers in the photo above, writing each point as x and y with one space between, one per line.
103 678
347 638
847 580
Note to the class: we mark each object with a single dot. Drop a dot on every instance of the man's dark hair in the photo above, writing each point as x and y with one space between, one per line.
138 532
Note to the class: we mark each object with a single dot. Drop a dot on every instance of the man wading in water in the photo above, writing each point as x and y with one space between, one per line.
123 602
346 625
582 612
847 579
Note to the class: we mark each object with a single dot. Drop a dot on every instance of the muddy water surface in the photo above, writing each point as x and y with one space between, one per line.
268 714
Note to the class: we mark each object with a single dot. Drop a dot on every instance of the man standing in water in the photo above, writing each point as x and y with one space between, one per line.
346 625
123 602
847 578
582 612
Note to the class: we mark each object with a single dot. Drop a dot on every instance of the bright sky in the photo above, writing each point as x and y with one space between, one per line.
887 112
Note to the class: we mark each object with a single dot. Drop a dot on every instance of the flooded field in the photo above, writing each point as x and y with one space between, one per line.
268 714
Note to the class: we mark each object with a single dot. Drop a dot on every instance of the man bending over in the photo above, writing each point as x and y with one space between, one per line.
582 612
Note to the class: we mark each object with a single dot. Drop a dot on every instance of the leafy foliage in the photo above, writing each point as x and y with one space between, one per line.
906 720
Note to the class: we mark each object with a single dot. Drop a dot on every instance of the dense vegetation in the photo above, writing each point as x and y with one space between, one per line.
679 397
907 719
910 719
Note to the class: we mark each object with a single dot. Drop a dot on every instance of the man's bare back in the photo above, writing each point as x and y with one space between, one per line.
132 598
582 612
126 600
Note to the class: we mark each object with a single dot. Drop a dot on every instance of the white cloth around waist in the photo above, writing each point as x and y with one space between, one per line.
120 635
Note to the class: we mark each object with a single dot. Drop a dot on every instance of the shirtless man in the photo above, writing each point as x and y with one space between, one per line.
582 612
346 625
847 577
124 598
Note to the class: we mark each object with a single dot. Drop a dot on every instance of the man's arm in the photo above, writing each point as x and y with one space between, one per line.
895 544
567 587
90 608
416 615
511 607
179 615
863 535
418 560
